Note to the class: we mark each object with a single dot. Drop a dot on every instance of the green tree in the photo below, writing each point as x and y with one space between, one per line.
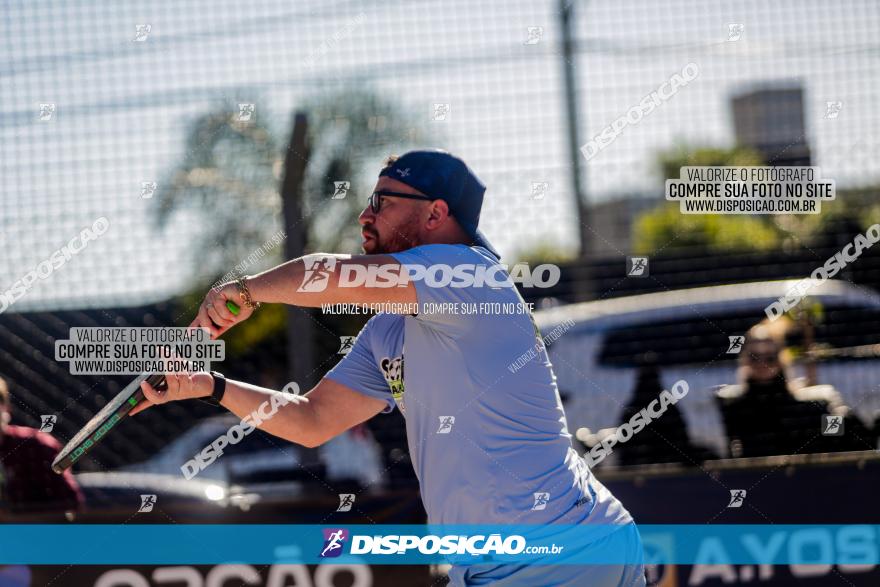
224 193
665 227
351 134
227 184
544 251
226 188
854 209
673 160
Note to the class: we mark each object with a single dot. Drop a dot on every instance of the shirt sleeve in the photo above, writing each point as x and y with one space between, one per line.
360 371
451 271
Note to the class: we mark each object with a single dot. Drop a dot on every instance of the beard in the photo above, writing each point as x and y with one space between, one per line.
391 239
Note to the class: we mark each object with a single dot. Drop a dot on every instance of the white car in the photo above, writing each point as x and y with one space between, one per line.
259 452
597 345
346 457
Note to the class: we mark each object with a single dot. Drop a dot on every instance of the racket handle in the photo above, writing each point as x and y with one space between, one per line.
232 307
157 381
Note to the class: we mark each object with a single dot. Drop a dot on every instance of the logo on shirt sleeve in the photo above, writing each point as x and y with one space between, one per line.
392 370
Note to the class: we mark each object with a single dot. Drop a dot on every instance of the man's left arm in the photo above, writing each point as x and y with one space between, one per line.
333 279
311 281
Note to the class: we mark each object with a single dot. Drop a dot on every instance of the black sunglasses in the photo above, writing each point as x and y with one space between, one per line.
376 202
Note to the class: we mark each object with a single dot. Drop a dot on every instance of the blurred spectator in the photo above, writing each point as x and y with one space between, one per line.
664 440
29 486
768 413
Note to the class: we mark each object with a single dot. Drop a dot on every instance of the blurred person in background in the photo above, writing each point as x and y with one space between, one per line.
29 487
770 413
663 440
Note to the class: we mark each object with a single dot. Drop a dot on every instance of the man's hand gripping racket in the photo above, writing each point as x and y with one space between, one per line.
218 314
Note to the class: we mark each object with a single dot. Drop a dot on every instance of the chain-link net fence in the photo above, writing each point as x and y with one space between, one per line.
169 125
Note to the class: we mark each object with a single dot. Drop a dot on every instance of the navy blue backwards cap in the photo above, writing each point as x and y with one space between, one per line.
442 176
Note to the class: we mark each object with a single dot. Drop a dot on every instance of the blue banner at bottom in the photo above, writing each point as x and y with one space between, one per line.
459 544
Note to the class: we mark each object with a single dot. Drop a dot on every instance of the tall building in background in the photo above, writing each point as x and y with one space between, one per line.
609 224
771 121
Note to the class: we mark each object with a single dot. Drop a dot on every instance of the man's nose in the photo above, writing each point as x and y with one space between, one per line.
367 216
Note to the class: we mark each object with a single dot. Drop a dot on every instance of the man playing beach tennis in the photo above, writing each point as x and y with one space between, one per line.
487 436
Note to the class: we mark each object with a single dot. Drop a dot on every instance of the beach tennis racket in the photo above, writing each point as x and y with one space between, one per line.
110 415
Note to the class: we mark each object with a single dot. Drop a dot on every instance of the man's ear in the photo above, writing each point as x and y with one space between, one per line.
5 416
439 212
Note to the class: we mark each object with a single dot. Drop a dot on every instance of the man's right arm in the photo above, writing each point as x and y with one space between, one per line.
328 410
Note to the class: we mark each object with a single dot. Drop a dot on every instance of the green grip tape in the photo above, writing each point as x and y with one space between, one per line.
232 307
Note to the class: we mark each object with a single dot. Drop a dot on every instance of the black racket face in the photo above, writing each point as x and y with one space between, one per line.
105 420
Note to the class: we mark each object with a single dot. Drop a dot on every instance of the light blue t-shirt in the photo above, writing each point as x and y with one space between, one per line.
485 425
